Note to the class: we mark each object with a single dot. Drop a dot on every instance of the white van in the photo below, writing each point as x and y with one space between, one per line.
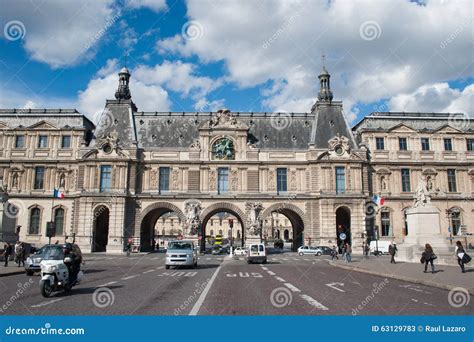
381 245
256 252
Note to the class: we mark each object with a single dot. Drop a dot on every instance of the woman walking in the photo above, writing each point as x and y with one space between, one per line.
428 256
460 252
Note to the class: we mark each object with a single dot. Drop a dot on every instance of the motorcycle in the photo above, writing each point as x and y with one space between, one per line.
55 276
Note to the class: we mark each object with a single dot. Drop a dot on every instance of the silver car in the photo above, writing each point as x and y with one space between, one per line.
181 253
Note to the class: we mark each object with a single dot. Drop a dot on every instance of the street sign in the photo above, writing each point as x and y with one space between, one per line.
342 236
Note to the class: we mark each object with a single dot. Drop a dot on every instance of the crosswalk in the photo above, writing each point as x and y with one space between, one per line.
206 258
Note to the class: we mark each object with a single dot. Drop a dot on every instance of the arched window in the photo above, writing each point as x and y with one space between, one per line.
59 221
220 231
238 234
286 234
212 232
455 220
35 216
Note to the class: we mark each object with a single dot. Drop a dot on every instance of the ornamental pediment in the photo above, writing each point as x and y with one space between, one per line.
401 128
223 119
42 125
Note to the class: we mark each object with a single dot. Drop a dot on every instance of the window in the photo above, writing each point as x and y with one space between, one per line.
380 143
340 180
470 144
59 221
282 185
43 141
402 144
452 180
39 177
425 144
448 144
35 215
105 177
385 223
20 141
455 215
406 187
222 180
164 184
66 141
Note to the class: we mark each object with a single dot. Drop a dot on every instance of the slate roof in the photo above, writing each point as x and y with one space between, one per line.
383 121
60 118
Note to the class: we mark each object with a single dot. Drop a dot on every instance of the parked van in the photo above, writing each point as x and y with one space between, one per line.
381 245
256 253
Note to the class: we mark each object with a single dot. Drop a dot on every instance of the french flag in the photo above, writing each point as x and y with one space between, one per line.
58 194
378 200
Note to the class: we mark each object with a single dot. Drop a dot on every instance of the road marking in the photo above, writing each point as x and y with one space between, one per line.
208 258
307 259
129 277
286 259
271 273
416 288
314 302
292 287
154 258
47 303
333 286
280 279
107 284
158 268
148 271
194 311
264 268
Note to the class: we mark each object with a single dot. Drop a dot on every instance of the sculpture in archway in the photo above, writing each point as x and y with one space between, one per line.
192 210
254 225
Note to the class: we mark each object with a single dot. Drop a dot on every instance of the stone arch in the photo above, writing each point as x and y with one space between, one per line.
145 224
295 215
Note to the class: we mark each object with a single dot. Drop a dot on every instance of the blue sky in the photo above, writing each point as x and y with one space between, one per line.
242 55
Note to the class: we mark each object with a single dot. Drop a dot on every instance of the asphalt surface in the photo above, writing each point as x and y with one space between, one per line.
287 285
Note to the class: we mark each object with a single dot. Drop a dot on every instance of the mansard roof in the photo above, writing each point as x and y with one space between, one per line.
422 122
59 118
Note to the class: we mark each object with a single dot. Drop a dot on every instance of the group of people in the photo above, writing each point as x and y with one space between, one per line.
19 251
346 251
428 257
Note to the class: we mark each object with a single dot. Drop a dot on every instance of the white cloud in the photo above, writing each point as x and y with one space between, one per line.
283 41
154 5
437 97
60 32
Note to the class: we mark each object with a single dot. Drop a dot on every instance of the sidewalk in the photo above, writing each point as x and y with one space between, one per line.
446 277
12 269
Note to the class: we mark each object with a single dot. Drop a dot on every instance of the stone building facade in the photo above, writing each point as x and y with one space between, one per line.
120 177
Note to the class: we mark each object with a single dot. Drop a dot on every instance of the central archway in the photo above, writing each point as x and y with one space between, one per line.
343 226
296 217
221 207
100 233
148 219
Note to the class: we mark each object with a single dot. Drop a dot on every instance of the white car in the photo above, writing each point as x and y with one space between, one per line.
257 253
303 250
240 251
181 253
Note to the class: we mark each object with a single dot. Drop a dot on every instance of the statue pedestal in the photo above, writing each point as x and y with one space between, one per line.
423 227
252 239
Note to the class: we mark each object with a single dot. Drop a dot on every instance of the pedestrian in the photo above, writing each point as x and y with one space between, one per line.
392 250
334 253
7 252
367 250
461 256
18 252
343 252
348 249
428 256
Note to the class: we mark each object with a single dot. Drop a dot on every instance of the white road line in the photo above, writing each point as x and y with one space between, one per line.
314 302
292 287
158 268
286 259
208 258
280 279
307 259
271 273
154 258
194 311
47 303
107 284
129 277
148 271
264 268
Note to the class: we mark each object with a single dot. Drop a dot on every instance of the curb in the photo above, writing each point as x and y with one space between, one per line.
398 277
12 273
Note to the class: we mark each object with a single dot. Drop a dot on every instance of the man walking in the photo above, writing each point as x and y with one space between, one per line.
392 250
348 249
334 253
8 250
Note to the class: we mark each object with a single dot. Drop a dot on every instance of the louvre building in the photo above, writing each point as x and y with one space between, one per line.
118 180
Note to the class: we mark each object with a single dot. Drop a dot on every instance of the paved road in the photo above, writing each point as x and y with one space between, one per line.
287 285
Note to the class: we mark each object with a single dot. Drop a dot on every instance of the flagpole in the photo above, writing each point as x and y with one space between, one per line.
52 210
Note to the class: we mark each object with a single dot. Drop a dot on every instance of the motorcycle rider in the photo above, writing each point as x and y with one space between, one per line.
74 266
